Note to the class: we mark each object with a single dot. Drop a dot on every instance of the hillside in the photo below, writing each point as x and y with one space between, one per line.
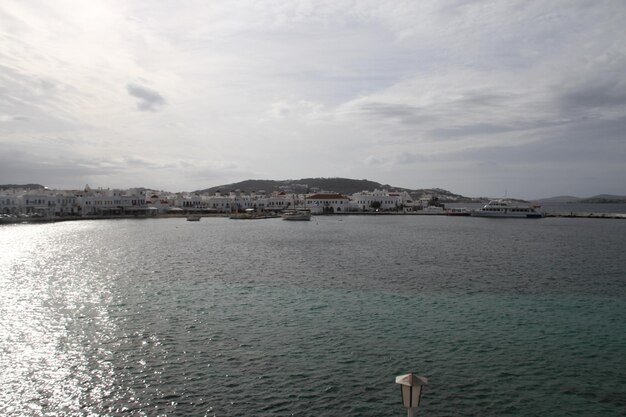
559 199
601 198
344 186
24 186
604 198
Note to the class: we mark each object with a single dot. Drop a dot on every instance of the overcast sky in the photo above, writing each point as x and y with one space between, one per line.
480 98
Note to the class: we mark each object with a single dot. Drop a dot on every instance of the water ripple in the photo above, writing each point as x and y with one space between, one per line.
160 317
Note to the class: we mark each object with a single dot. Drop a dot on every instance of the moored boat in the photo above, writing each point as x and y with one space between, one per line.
297 214
507 209
193 218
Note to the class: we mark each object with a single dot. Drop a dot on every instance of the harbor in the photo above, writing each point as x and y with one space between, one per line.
165 317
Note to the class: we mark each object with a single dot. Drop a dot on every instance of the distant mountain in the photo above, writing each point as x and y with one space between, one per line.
600 198
604 198
344 186
25 186
560 199
339 185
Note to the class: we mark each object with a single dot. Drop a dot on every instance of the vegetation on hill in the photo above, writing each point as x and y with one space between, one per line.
22 186
596 199
604 199
560 199
344 186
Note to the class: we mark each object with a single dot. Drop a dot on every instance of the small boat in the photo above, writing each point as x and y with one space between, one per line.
507 209
297 214
193 218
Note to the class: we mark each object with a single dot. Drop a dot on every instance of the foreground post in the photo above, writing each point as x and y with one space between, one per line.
411 387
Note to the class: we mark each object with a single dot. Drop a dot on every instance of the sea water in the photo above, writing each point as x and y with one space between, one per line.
228 318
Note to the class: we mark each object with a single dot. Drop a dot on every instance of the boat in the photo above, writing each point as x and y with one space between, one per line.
508 209
459 211
193 218
297 214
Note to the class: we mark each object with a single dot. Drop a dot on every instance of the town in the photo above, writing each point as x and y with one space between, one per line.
49 204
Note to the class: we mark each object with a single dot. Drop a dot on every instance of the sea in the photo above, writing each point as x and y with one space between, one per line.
163 317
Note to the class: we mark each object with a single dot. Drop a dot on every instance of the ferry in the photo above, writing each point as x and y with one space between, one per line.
507 208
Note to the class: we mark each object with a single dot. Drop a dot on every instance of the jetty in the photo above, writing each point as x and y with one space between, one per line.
587 215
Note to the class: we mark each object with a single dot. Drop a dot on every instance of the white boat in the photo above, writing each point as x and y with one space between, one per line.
193 218
297 214
507 208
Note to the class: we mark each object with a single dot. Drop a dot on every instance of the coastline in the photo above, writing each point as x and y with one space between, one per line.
20 220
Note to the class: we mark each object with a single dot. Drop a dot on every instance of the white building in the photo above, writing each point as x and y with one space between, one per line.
38 202
110 202
327 203
65 204
380 200
222 204
9 203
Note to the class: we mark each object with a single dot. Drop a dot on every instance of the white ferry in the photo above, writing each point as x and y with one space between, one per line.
507 208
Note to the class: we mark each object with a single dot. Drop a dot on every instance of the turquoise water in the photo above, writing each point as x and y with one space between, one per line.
226 318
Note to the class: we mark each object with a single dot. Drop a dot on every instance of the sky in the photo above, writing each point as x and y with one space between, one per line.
523 98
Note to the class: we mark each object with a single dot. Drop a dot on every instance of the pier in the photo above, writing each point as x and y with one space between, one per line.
586 215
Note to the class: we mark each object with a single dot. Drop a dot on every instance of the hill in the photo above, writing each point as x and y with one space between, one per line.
24 186
559 199
601 198
344 186
604 198
304 185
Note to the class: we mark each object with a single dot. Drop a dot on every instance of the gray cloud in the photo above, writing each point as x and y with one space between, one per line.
432 91
485 129
596 143
595 95
12 118
403 113
149 100
409 158
72 171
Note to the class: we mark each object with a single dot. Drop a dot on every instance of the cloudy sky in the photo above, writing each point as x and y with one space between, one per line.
480 98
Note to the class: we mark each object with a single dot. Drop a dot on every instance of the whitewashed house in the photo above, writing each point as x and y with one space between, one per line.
326 203
38 202
380 200
110 202
66 204
9 203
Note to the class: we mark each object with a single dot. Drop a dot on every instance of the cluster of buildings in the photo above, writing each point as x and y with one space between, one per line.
141 202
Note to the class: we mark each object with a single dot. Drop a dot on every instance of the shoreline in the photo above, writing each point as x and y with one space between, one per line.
19 220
